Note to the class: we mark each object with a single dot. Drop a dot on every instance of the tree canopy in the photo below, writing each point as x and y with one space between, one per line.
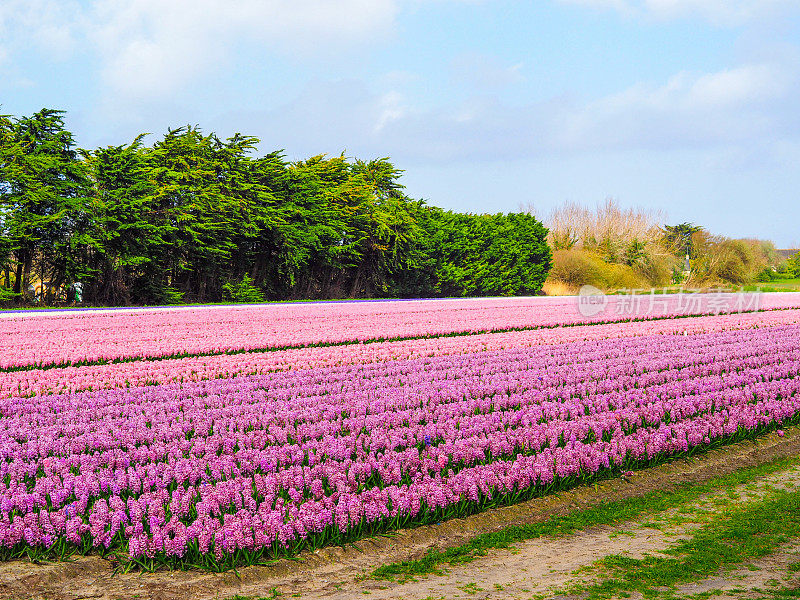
196 218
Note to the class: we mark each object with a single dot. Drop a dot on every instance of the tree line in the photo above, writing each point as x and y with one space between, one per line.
196 218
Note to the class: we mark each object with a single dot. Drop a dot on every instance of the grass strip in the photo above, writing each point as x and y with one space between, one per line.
376 340
602 514
747 532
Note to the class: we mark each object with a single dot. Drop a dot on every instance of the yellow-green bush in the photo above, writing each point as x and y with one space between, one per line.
575 268
617 276
657 269
725 261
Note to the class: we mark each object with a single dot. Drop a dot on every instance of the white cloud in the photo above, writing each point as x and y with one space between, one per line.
151 50
746 85
45 24
720 12
729 106
685 92
150 46
746 107
391 107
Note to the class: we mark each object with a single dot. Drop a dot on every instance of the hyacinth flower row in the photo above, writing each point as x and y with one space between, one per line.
196 368
76 338
226 471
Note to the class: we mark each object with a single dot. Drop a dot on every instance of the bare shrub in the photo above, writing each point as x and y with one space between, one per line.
608 230
620 246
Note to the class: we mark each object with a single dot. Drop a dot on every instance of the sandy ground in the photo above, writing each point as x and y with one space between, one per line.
537 567
553 566
757 580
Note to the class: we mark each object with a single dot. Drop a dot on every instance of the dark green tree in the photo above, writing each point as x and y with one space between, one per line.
6 247
482 255
42 197
197 218
679 238
125 262
202 198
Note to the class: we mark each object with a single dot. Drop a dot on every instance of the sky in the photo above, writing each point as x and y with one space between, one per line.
689 107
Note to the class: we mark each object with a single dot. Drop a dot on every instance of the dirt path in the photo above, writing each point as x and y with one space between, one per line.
529 570
761 579
551 566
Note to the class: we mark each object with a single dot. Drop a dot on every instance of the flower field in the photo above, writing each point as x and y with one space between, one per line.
224 436
65 338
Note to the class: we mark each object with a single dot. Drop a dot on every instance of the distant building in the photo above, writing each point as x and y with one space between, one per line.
784 254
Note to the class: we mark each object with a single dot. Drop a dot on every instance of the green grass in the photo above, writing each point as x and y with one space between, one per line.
274 593
780 594
779 285
745 533
603 514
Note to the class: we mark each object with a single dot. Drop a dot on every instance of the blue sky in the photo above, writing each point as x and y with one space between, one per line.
685 106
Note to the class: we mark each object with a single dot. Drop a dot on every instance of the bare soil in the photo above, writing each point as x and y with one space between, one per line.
537 567
759 579
553 567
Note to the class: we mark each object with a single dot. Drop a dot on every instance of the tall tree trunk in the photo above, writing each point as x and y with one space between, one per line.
23 274
356 280
18 279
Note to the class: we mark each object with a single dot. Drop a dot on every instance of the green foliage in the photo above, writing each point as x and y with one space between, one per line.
242 291
43 190
744 533
731 261
765 275
793 265
163 295
679 238
481 255
635 253
6 295
194 218
125 263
